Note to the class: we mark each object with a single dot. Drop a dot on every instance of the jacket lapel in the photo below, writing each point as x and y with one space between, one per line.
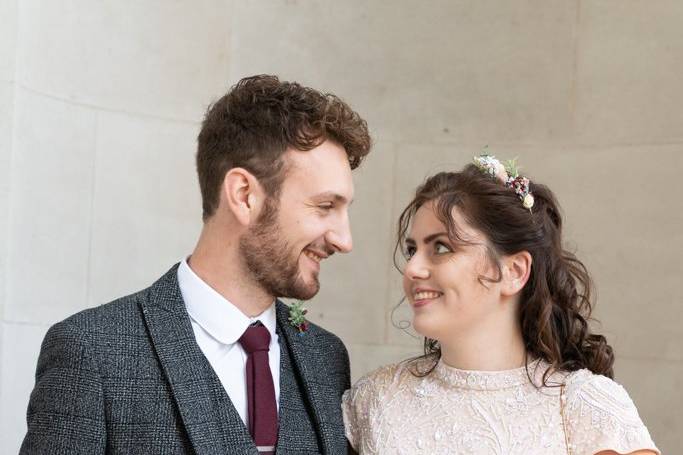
211 421
297 432
304 369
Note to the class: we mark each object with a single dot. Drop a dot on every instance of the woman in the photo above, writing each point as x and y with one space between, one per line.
510 365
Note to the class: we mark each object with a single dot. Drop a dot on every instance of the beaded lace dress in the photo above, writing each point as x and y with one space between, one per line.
451 411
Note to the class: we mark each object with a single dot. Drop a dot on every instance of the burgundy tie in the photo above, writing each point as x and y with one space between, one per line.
262 416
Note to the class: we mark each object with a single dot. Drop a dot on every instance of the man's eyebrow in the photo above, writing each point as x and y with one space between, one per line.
334 196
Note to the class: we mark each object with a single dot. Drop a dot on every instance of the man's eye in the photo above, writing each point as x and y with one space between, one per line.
326 206
441 248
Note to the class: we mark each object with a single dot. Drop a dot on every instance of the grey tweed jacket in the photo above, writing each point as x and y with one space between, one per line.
129 378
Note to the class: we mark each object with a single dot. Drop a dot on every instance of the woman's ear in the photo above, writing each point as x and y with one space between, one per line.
243 195
516 271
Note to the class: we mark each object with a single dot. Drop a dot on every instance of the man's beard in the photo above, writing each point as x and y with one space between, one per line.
271 262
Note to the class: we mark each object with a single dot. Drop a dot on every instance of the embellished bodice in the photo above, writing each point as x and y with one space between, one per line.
451 411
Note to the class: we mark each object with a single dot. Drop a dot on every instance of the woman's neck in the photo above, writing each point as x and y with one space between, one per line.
485 349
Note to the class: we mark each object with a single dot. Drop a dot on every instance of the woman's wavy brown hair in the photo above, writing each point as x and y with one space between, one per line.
555 304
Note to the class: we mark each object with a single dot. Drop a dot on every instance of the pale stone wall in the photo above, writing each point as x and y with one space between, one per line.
99 109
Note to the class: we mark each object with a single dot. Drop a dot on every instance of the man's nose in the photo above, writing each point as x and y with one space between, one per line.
340 237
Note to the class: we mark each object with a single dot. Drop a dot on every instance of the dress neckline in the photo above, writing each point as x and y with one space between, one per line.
489 380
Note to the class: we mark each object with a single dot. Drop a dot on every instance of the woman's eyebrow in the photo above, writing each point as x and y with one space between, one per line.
427 239
431 237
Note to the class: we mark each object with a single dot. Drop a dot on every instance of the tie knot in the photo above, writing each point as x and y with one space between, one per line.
255 338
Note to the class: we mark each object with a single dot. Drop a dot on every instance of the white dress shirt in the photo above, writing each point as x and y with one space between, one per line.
217 325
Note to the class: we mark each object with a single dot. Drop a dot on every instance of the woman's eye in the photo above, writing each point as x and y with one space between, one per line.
409 251
441 248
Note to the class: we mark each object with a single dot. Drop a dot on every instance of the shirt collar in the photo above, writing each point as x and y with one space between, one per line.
214 313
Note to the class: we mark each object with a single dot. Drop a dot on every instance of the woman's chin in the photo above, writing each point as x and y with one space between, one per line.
425 326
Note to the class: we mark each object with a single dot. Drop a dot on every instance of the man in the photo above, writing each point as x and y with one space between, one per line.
206 360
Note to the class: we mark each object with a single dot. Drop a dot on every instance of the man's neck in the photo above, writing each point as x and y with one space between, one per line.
220 267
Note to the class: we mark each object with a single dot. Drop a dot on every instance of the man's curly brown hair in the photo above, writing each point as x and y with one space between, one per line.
258 120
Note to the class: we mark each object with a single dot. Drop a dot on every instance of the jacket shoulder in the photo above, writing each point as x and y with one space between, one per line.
119 314
126 312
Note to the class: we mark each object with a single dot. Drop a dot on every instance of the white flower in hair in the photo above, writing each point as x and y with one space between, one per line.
493 167
508 174
528 201
501 173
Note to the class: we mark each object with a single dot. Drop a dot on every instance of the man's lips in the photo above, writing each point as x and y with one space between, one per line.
316 256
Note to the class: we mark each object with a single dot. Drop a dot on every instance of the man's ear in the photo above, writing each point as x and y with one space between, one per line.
516 272
243 195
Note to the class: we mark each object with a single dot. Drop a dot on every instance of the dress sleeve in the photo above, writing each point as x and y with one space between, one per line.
352 424
360 405
600 415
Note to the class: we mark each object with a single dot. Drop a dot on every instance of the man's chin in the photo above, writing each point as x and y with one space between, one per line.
306 290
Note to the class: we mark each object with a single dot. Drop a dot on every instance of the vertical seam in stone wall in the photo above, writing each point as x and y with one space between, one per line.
17 17
10 204
389 271
8 226
231 40
10 161
574 92
8 215
91 210
228 45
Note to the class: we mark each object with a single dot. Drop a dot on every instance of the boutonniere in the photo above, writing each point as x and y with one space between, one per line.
297 314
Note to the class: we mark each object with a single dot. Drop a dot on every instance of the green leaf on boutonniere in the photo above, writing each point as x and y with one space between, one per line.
297 314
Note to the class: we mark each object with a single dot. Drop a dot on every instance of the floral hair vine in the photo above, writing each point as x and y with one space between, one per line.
508 174
297 318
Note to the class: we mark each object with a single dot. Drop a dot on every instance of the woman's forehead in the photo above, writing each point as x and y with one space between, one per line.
426 222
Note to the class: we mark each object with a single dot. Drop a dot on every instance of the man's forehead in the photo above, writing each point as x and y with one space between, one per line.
317 189
320 173
328 153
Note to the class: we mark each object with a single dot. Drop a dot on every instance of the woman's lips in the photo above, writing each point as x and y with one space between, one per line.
422 297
